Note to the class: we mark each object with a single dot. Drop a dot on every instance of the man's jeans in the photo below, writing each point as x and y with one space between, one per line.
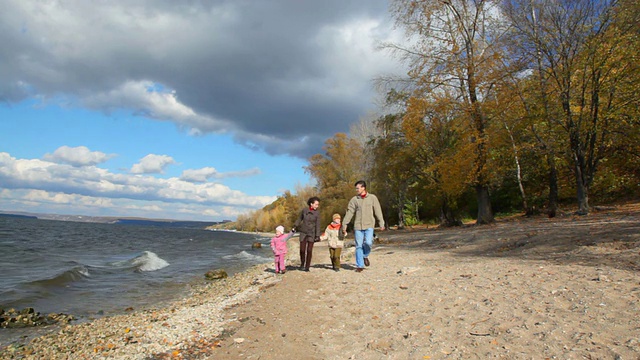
364 241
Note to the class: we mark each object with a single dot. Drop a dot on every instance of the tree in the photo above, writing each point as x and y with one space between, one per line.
336 171
395 166
365 131
509 120
432 129
578 53
456 45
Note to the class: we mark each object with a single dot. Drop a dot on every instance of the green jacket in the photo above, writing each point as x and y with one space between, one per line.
366 210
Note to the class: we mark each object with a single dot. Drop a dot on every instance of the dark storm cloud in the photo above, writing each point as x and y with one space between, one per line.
282 76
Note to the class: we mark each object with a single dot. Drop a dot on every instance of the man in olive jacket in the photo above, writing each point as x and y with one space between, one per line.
308 225
366 208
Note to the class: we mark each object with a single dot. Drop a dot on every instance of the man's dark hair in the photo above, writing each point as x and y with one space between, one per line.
312 200
362 183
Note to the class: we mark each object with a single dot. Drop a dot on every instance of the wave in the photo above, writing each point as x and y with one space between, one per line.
146 261
245 256
77 273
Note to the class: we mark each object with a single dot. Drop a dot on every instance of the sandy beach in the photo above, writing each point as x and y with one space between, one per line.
523 288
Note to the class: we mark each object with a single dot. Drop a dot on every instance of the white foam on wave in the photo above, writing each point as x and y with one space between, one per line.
148 261
245 256
83 270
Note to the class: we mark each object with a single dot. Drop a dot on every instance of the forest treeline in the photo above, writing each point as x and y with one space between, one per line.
508 106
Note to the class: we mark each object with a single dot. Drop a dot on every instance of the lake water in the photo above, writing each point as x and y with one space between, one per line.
92 269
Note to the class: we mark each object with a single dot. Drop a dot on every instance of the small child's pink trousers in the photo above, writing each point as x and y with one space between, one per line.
279 260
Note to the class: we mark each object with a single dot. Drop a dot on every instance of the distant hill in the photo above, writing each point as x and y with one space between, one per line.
166 223
18 216
114 220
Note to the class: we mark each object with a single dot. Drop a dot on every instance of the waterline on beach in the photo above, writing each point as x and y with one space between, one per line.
91 270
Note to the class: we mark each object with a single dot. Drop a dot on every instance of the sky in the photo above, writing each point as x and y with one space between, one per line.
186 110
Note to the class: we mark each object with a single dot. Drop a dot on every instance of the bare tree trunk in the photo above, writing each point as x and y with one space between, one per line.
551 161
553 186
448 217
582 190
578 160
400 205
485 215
583 199
525 207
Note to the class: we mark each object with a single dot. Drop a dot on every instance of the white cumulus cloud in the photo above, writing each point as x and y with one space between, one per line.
66 184
77 156
152 164
206 173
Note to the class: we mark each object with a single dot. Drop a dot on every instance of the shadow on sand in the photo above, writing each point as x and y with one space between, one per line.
604 238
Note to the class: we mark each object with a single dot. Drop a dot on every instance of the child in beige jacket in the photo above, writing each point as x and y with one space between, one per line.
336 241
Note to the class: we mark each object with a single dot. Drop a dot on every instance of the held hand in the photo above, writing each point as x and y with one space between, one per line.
381 228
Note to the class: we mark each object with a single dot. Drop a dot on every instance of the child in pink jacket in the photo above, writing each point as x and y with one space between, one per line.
279 247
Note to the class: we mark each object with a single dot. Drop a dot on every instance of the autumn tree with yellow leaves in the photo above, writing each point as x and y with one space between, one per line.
336 172
455 48
579 52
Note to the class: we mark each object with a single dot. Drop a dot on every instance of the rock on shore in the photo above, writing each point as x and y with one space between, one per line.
28 317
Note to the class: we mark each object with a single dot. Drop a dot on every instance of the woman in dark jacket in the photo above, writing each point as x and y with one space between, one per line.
308 225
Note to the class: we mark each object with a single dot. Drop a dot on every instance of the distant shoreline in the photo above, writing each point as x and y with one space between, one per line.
262 234
124 220
18 216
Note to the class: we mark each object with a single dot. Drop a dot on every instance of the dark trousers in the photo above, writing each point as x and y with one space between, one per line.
334 254
306 252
